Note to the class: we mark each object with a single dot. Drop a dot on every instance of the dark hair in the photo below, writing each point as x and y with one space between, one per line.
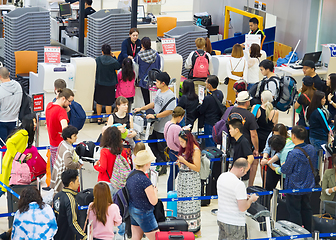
240 163
254 20
146 43
65 92
69 175
213 80
189 150
332 87
277 142
68 131
178 112
132 30
101 201
111 139
299 132
188 89
315 102
120 100
127 72
208 47
255 51
28 125
267 64
282 129
29 194
309 91
88 2
59 84
106 49
236 123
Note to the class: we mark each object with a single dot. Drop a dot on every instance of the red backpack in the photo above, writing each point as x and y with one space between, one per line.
201 66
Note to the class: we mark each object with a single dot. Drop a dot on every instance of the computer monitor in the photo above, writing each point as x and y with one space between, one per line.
141 12
314 56
65 9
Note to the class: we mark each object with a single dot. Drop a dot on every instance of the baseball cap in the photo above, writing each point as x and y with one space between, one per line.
309 63
308 81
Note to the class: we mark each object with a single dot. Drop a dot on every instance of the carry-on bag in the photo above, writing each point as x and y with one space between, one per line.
173 223
36 163
286 228
263 200
83 198
176 235
325 223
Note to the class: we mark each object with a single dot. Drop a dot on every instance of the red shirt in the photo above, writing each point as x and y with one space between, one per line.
54 114
106 163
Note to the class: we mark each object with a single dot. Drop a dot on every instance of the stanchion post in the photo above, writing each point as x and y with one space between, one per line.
316 235
320 164
293 124
37 131
274 204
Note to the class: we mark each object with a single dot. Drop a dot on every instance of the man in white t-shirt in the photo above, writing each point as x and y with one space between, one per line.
233 202
272 81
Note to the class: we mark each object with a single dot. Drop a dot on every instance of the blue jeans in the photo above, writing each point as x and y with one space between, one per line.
172 158
209 142
317 145
145 219
5 129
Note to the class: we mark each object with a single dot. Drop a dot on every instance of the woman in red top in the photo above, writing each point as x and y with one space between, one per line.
111 144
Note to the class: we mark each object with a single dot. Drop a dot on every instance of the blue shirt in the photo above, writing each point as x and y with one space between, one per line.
298 172
136 186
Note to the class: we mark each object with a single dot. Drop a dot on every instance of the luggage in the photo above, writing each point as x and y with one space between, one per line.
286 228
325 223
37 164
258 218
263 200
177 235
205 191
172 205
173 223
282 212
83 198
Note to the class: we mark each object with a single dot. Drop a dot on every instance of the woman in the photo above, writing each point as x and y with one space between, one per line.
125 86
189 101
147 59
253 65
130 46
189 182
171 132
191 60
306 94
315 115
16 142
34 219
103 212
111 144
236 69
329 183
266 116
143 198
272 178
331 93
208 47
106 79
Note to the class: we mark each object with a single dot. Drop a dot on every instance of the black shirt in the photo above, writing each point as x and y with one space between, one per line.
258 31
318 83
88 11
190 106
242 148
210 108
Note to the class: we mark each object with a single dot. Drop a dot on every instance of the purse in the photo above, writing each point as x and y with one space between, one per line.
37 164
20 173
324 223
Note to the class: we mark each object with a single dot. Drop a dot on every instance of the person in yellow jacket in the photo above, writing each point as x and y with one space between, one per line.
17 141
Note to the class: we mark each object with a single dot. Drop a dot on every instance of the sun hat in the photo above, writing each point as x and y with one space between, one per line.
243 96
143 157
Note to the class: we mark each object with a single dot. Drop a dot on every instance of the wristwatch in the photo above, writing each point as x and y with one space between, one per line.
155 116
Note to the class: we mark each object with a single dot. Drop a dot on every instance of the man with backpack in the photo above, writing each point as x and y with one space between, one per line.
199 61
10 103
211 108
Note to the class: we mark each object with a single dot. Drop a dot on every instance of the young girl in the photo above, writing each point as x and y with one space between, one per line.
125 86
103 212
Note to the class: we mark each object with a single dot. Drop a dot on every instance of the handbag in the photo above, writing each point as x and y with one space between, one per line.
20 174
324 223
315 171
37 164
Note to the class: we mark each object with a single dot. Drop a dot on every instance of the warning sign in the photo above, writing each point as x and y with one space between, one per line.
168 45
52 54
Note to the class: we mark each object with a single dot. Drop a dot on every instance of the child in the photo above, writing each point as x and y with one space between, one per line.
242 147
125 86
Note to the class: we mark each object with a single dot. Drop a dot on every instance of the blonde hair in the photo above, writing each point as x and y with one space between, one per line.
178 112
267 100
138 147
237 51
200 43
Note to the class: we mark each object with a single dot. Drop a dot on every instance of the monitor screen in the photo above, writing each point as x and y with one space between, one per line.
314 56
65 9
141 12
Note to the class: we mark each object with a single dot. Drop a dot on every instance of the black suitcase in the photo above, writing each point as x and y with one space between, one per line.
282 212
216 168
263 200
205 191
258 211
83 198
173 223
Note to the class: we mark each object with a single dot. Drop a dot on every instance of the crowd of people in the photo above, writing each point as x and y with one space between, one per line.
253 127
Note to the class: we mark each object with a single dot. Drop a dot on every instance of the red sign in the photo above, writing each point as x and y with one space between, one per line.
52 54
168 45
38 102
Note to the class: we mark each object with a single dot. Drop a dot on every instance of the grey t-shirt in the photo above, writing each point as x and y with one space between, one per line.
159 102
10 101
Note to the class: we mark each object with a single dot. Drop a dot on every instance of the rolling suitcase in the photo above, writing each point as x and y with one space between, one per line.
286 228
173 223
176 235
258 221
83 198
263 200
205 191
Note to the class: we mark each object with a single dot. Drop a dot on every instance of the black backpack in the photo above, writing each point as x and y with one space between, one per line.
26 103
259 87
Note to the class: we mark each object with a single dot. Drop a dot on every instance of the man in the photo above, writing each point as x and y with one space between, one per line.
233 202
250 127
88 9
254 29
271 81
66 157
163 105
66 208
10 103
309 70
210 109
57 120
299 175
241 147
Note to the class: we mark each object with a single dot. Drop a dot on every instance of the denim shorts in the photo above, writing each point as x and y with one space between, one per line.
143 218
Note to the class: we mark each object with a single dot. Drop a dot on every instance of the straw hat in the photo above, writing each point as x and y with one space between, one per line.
143 157
243 96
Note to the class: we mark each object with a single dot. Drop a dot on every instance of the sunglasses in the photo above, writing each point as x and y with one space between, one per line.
183 134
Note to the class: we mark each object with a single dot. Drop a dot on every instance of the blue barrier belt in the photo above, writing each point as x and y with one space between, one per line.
10 190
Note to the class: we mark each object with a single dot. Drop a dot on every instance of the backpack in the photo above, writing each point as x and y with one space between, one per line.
85 149
287 94
259 87
25 107
120 172
76 115
201 66
221 126
150 79
20 174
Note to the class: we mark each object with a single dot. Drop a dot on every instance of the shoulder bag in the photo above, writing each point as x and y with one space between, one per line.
315 172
